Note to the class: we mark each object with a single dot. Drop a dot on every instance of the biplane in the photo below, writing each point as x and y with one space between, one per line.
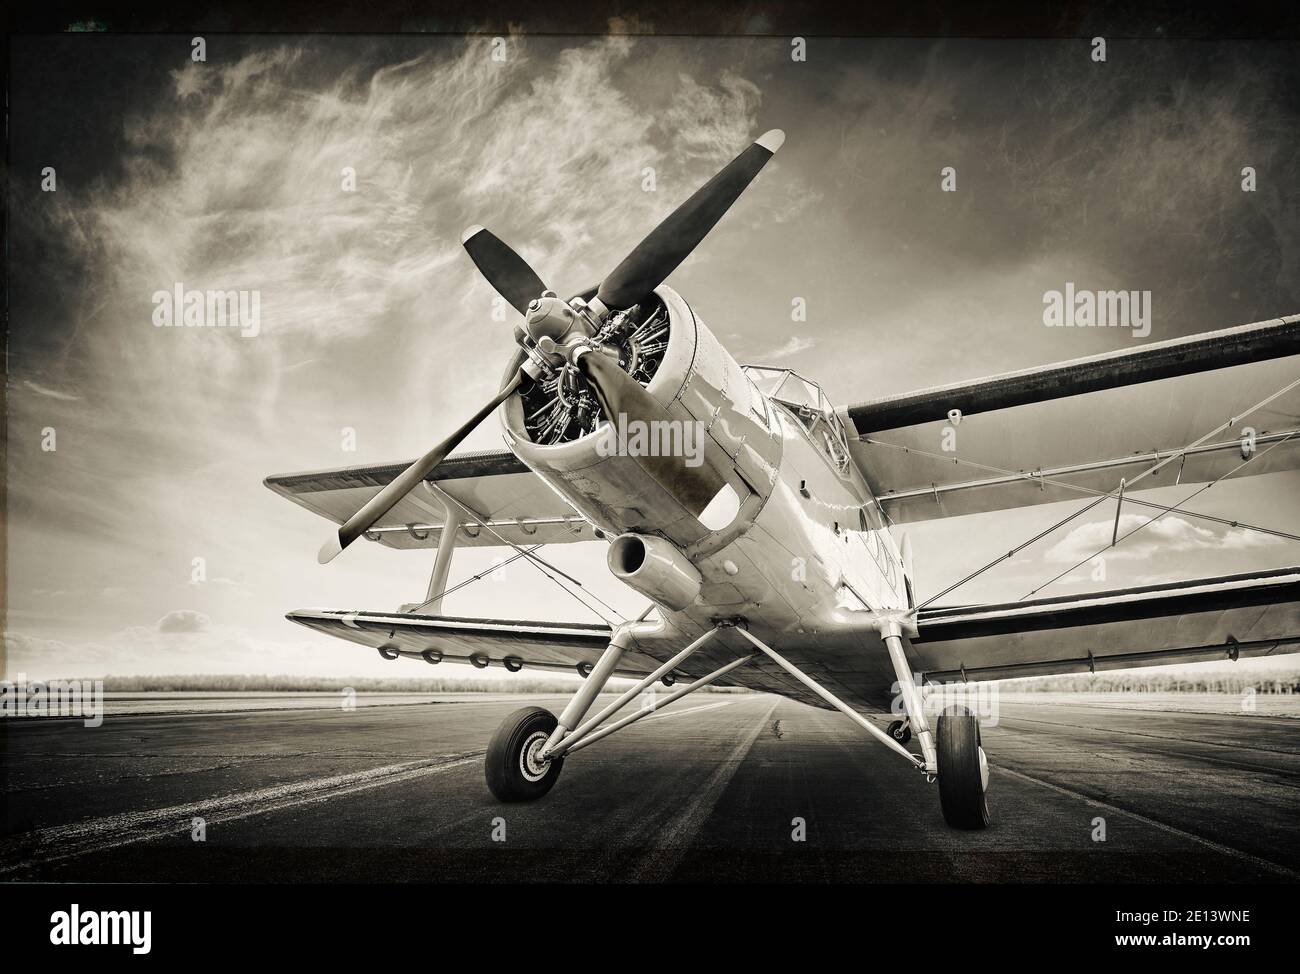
778 559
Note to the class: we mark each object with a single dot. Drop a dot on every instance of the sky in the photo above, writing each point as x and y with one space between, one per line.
229 174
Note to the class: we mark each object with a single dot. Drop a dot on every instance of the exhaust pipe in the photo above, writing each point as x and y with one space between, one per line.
656 569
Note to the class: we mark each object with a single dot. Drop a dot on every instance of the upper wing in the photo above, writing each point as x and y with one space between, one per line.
1185 622
1087 422
509 503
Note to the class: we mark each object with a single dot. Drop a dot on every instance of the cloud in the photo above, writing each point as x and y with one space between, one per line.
793 346
184 620
709 122
140 650
372 316
41 390
374 319
144 651
1168 535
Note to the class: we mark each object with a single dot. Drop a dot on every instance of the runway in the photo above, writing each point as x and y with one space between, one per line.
715 788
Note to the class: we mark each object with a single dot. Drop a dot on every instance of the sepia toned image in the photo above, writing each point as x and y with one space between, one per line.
652 456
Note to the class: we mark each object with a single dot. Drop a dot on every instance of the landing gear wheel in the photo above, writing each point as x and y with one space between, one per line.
963 771
899 731
514 773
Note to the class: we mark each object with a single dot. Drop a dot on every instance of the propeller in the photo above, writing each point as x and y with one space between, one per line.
670 243
401 485
653 259
620 394
504 269
640 272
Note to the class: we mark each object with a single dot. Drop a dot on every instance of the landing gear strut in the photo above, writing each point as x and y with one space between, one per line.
528 749
956 759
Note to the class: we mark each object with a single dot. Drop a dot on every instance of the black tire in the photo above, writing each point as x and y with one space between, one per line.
961 782
899 731
509 775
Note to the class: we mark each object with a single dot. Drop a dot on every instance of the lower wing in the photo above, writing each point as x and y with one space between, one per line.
514 645
1185 622
481 642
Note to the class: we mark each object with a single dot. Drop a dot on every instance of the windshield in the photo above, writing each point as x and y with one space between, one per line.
807 403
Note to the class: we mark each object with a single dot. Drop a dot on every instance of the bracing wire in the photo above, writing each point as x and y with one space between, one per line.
474 578
1120 540
1036 478
1128 486
540 565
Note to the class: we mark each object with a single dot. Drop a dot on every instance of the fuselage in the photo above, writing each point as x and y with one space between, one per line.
806 555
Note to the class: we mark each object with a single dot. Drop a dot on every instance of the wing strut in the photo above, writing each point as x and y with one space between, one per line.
1142 476
536 562
1150 521
1040 477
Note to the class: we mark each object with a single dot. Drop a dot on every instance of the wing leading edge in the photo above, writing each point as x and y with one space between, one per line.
1086 422
498 500
513 645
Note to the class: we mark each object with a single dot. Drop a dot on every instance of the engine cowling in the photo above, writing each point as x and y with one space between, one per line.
717 417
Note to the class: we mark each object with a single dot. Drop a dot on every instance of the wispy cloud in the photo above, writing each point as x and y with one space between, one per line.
793 346
184 620
41 390
373 318
1167 535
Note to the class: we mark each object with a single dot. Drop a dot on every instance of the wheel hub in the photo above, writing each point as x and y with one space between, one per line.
531 763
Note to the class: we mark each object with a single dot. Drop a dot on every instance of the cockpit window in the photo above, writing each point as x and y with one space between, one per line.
807 403
758 404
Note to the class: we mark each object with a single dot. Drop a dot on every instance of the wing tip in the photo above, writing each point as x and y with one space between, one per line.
771 140
329 550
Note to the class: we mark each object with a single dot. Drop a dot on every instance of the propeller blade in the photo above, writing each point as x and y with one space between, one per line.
621 395
668 244
504 269
401 485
